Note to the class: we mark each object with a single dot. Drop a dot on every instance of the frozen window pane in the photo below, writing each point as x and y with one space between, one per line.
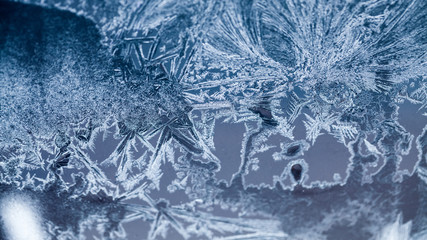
191 119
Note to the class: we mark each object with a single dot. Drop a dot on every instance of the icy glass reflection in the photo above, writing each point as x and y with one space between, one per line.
169 119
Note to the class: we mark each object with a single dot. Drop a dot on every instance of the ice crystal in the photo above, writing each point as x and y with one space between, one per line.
116 114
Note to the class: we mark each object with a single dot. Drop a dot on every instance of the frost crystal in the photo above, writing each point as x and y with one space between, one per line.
202 119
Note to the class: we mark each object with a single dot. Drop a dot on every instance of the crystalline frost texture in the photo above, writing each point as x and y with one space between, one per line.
114 116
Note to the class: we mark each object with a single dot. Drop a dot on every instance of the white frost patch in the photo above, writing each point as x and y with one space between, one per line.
396 230
20 219
371 148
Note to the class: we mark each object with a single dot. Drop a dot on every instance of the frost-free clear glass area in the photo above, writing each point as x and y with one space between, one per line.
213 119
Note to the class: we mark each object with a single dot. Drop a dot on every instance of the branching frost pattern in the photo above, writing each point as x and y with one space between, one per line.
113 113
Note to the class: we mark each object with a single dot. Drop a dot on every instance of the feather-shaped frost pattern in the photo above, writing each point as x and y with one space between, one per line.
213 119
